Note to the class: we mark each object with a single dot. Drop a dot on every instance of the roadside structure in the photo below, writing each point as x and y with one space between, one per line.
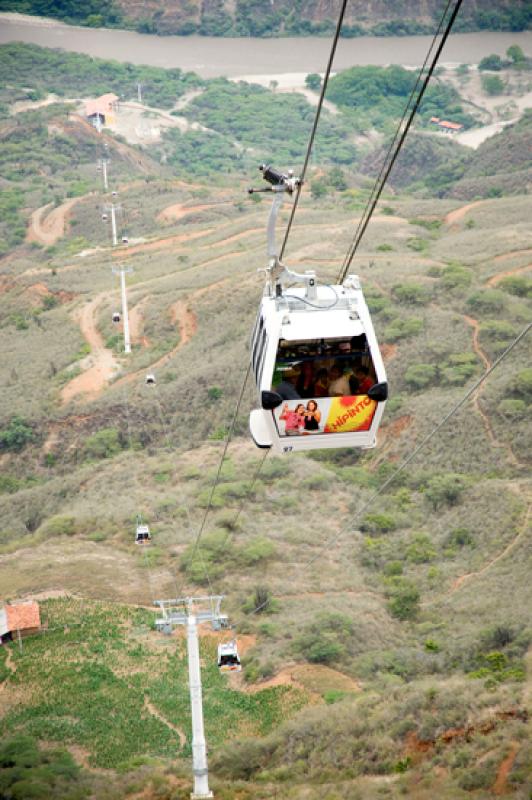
446 126
102 110
21 618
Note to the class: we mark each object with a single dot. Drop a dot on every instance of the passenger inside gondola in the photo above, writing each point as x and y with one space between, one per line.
323 368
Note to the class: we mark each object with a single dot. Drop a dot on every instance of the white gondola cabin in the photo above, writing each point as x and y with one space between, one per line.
319 373
142 534
150 380
228 658
116 317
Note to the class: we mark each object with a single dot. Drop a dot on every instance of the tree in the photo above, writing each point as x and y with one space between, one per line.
492 62
492 85
445 489
515 54
313 81
17 435
419 376
404 598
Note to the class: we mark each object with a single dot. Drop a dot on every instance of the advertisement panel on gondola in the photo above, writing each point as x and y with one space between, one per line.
346 414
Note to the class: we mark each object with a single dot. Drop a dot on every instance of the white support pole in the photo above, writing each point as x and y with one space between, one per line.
139 92
127 341
104 171
113 225
199 748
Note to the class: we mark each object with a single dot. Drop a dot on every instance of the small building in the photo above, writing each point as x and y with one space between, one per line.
21 617
102 110
446 126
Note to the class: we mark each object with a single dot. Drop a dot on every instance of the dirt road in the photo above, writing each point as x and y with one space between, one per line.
101 365
46 228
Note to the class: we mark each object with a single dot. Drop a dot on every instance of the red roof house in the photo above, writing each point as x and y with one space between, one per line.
23 616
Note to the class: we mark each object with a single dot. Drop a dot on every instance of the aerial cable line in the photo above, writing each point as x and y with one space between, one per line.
364 224
399 126
314 126
220 465
332 541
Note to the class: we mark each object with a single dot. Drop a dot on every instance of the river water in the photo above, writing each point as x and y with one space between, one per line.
212 57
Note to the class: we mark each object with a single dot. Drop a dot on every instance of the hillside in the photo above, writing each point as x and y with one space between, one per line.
392 655
279 18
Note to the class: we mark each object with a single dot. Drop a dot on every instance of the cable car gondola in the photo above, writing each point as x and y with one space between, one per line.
142 533
150 380
116 317
319 373
228 658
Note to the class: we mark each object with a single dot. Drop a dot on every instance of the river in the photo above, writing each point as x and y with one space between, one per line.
212 57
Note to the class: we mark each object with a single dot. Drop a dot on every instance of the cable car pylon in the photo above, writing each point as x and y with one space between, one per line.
190 611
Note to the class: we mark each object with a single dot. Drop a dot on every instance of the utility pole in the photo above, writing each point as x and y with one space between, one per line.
102 165
185 611
139 92
121 270
112 209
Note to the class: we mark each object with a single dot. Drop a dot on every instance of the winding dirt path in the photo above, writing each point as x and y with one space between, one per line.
501 782
469 576
184 317
101 363
150 708
179 210
474 324
496 279
454 217
46 228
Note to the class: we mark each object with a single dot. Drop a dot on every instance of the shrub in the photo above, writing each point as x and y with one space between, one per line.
324 640
417 245
404 598
498 330
420 550
384 248
518 285
419 376
393 568
458 369
16 435
378 523
29 773
523 384
403 329
412 293
492 84
445 489
460 537
103 444
376 302
60 526
257 550
260 602
513 408
455 277
486 301
313 81
492 62
214 393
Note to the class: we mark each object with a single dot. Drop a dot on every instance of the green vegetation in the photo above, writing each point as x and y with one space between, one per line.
374 95
403 629
74 75
252 18
492 84
16 435
27 771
